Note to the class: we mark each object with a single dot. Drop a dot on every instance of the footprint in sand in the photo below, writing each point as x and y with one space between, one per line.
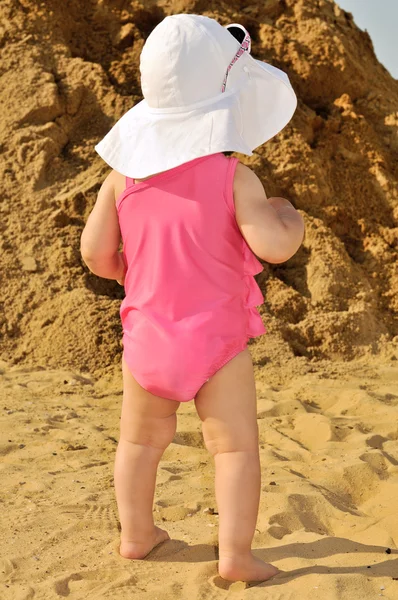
111 583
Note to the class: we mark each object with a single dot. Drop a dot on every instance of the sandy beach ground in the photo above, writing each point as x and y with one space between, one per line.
326 371
327 519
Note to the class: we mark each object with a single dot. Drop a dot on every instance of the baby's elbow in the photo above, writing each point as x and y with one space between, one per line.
84 250
281 253
88 253
86 257
86 260
277 259
92 265
270 253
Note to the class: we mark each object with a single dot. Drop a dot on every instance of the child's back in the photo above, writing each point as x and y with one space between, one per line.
190 291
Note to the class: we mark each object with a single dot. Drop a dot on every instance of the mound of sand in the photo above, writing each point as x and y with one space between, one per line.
69 70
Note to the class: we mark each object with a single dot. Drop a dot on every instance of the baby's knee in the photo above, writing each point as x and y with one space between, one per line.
227 444
157 433
166 430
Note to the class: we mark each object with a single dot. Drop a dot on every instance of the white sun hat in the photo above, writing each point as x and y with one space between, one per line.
203 93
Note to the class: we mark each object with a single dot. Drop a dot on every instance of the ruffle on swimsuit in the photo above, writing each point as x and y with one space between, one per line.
253 296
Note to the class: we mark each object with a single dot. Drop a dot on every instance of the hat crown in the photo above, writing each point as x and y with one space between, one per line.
184 61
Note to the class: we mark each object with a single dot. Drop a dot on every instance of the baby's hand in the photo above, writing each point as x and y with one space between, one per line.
123 269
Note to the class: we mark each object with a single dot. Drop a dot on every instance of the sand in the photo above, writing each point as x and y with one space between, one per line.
326 370
68 72
328 515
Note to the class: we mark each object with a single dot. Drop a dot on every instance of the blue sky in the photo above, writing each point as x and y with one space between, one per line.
380 19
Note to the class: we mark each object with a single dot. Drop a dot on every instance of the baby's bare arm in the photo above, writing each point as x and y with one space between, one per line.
100 239
272 227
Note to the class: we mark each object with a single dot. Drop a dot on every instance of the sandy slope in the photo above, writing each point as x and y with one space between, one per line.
69 70
328 508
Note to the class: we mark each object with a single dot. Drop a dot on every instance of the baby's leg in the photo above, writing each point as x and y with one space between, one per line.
147 426
226 405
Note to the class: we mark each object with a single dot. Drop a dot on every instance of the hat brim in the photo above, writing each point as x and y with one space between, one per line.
146 141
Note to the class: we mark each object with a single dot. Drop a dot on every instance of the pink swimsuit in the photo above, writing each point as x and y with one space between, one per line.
191 297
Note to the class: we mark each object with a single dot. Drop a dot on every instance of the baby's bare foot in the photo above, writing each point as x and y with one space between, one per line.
245 568
141 549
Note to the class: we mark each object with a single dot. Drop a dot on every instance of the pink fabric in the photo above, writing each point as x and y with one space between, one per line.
191 297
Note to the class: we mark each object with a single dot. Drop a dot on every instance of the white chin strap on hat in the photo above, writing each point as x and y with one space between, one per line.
242 35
